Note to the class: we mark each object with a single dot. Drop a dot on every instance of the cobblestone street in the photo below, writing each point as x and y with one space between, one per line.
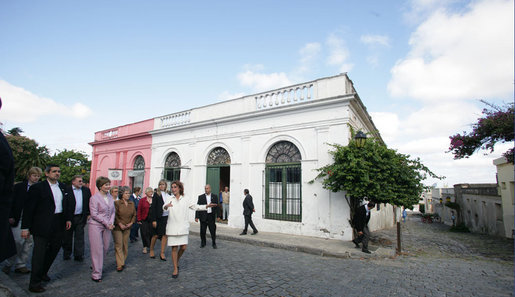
436 263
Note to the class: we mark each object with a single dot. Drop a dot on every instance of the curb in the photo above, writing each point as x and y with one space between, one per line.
303 249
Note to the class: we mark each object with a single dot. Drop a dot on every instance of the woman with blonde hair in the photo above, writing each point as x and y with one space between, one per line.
178 225
159 219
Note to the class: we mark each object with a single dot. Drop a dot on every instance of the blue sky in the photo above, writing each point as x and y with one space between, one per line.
70 68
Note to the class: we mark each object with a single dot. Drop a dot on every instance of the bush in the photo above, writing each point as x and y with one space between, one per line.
422 208
460 228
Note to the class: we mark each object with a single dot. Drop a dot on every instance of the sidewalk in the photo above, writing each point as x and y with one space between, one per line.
306 244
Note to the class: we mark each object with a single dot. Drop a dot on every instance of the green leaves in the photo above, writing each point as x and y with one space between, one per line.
375 172
27 153
72 163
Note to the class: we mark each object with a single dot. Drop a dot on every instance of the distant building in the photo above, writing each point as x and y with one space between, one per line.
270 143
505 183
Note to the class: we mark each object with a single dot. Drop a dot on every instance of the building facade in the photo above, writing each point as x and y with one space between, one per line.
123 154
505 183
270 143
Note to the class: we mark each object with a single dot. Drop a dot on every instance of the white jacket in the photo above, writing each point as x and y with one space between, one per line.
178 217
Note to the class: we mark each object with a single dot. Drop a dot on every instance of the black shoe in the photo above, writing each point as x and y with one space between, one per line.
96 280
366 251
254 233
78 259
243 233
214 246
6 269
355 243
45 278
202 245
38 289
175 275
66 258
162 259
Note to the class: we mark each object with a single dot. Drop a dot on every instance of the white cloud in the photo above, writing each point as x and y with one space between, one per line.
457 56
263 81
22 106
373 40
338 53
309 53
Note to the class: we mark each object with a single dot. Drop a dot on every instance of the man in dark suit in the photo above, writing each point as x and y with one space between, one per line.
248 209
7 246
360 222
23 245
79 204
207 218
46 216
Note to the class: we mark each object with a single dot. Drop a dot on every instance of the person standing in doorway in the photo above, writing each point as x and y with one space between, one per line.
225 203
79 203
23 245
360 222
46 216
207 218
248 209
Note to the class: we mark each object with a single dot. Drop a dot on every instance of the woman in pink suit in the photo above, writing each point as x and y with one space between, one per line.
100 224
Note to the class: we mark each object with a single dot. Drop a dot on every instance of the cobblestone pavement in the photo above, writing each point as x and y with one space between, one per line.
436 263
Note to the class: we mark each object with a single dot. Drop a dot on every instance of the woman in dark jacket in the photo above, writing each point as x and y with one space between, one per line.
159 219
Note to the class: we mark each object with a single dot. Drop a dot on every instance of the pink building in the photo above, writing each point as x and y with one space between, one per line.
123 155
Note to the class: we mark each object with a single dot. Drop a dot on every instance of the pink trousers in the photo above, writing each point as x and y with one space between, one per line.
99 240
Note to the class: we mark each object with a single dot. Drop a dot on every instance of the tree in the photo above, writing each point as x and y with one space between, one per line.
496 125
374 172
72 163
27 153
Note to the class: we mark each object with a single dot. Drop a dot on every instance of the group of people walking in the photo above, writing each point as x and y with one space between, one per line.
48 215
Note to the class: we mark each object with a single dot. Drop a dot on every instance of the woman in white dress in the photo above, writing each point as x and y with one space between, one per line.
178 226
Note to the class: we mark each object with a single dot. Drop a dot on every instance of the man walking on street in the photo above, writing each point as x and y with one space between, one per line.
360 222
46 216
207 218
79 204
248 209
23 245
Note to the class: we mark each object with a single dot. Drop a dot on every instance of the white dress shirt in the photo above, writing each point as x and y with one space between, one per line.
77 192
58 197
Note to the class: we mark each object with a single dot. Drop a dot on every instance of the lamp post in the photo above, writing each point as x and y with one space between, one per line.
360 139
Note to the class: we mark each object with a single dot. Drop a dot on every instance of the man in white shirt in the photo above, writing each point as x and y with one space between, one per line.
79 204
207 218
46 215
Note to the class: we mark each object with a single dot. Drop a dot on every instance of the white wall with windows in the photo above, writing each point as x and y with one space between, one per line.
270 143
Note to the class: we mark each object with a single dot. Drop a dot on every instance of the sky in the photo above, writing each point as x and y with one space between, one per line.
71 68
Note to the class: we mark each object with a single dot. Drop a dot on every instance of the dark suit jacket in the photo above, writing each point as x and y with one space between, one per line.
7 247
40 207
360 218
19 197
86 194
156 210
202 200
248 206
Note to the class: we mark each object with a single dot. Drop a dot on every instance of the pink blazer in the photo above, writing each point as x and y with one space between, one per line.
102 213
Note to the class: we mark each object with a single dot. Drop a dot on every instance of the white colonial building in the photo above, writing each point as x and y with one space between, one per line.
270 143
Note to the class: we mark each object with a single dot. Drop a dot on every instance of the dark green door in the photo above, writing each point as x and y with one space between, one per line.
213 178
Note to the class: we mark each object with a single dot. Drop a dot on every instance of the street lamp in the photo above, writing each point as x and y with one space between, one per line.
360 139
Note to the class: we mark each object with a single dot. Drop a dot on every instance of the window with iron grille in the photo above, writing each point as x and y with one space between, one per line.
283 193
172 170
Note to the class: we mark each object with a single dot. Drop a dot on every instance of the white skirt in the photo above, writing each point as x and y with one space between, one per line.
176 240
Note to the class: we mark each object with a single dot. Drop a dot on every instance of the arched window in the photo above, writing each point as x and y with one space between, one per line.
172 167
139 163
283 195
218 156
